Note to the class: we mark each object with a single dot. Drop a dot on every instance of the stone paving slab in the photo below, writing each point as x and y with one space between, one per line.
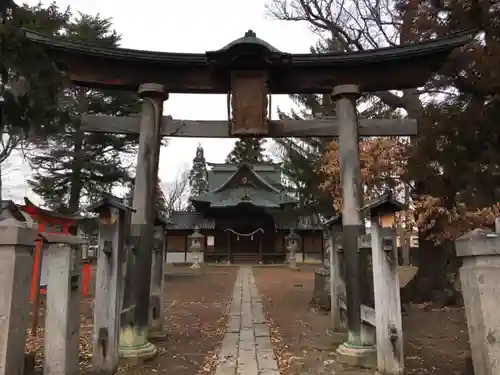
246 348
264 343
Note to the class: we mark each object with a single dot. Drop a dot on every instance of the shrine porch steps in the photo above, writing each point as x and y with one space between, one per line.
245 258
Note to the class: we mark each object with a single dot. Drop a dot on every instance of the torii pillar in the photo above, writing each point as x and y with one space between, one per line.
345 97
134 331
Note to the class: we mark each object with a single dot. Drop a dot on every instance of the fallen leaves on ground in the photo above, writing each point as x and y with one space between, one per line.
436 340
196 308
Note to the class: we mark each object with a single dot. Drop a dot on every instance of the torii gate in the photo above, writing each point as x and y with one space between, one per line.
248 70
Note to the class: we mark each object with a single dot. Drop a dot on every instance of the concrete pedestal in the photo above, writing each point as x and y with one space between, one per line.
16 261
197 256
362 356
134 347
480 278
292 260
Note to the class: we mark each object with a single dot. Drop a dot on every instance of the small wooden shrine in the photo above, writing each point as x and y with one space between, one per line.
244 216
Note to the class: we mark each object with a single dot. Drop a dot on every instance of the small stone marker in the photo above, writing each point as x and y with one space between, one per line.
63 257
111 257
480 280
17 243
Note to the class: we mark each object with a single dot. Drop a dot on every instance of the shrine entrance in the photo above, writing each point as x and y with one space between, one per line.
243 240
249 236
248 70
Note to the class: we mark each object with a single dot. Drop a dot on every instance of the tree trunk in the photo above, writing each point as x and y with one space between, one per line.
76 169
433 282
405 243
76 181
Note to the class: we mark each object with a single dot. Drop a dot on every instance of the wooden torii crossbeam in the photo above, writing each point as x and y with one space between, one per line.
324 127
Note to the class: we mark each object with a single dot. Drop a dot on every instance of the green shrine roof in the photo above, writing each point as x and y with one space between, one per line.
255 184
181 220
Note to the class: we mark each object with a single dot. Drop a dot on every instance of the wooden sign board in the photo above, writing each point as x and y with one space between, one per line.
249 104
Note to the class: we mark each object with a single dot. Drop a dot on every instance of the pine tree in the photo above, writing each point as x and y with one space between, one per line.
249 150
198 176
160 199
75 167
29 81
301 158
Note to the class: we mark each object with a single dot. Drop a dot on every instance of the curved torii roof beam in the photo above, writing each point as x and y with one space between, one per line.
405 66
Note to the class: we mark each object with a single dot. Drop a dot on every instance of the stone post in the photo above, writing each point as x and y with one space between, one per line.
292 256
334 267
17 243
480 279
389 327
62 321
111 257
345 97
157 314
134 331
292 240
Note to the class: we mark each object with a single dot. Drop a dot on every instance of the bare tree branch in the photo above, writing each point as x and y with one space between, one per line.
357 25
177 192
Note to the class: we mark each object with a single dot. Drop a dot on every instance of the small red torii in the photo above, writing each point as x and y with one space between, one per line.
49 221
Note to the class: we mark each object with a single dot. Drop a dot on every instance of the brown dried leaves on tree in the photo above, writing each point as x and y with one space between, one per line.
383 165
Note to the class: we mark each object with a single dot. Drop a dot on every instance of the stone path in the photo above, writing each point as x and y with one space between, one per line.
246 348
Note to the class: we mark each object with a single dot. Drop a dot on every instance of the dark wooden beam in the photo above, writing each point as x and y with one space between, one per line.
325 127
395 68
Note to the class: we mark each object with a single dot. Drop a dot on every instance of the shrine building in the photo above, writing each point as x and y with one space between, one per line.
244 217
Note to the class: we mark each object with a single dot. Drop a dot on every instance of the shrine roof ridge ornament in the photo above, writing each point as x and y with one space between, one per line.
250 38
404 66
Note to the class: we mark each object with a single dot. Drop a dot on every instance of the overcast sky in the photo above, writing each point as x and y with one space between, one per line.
190 26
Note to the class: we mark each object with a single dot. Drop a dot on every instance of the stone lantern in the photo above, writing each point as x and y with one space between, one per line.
196 247
292 244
